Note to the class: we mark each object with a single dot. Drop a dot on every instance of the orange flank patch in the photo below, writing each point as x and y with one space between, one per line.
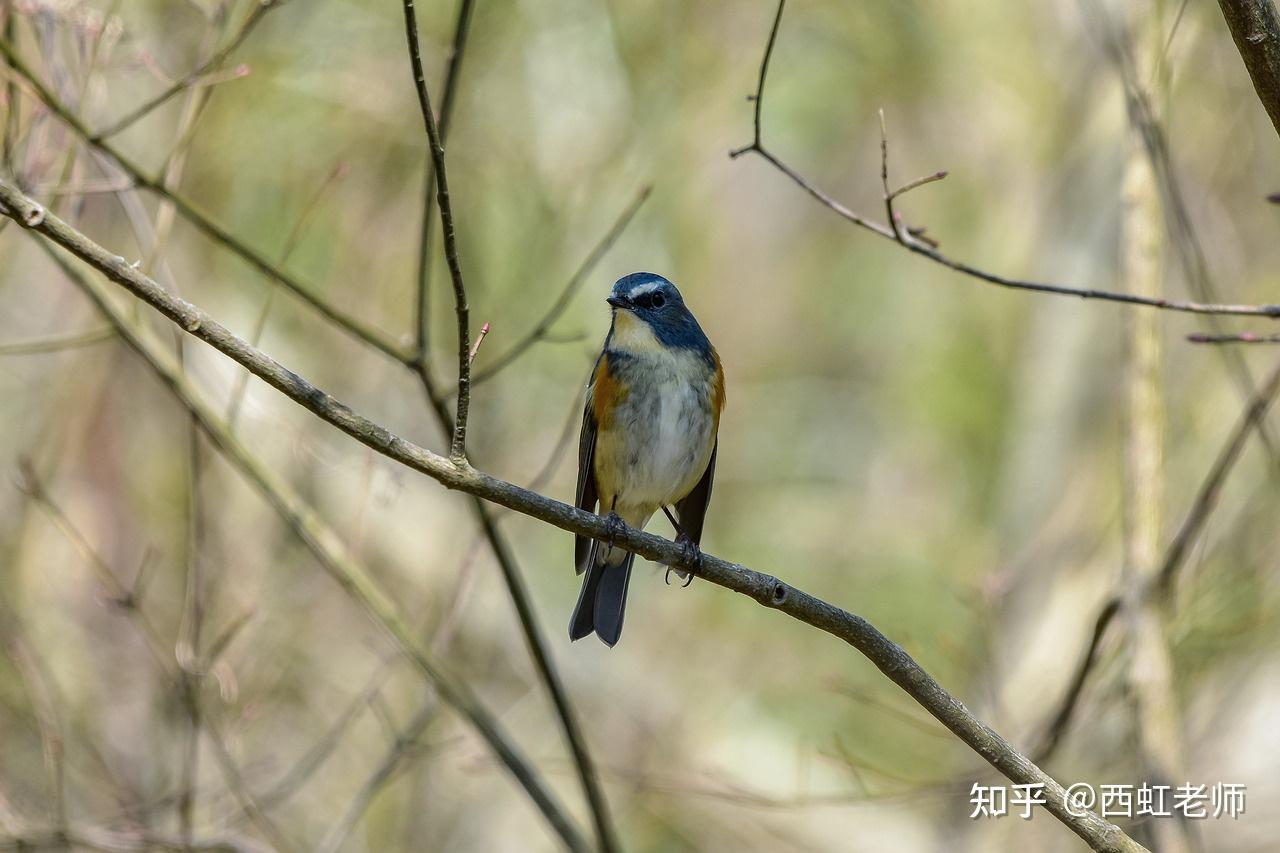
606 393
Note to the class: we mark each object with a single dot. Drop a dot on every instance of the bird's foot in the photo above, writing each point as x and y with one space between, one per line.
690 552
614 527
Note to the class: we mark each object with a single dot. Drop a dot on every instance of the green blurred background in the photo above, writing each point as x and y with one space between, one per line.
938 455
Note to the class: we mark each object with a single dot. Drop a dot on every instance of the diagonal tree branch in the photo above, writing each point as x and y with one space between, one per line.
334 558
1255 27
914 244
765 589
1193 524
543 326
213 63
259 261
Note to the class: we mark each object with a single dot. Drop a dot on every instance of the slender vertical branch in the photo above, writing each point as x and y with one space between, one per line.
452 72
458 447
502 552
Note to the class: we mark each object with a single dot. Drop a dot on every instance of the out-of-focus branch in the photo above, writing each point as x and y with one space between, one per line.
1061 721
353 326
1211 488
397 754
1241 338
765 589
1155 721
1143 110
923 248
331 553
458 447
58 343
213 63
1193 524
1255 27
540 329
46 708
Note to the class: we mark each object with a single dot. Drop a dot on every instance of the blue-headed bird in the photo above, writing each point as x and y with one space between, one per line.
648 438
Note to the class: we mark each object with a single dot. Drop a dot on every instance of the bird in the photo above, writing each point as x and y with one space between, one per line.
648 442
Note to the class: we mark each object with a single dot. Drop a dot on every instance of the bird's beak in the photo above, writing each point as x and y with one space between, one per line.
619 301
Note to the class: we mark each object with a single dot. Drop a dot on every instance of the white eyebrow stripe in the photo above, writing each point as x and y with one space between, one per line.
642 289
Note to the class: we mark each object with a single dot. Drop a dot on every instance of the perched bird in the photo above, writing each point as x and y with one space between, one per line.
648 438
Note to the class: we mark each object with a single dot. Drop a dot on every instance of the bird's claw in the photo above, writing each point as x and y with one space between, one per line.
691 554
614 527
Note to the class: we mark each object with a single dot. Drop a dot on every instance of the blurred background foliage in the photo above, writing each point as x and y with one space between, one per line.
937 455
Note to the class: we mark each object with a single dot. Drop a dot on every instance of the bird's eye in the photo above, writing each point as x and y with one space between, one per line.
657 300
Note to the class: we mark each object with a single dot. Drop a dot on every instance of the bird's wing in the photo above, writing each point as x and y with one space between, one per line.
587 494
692 508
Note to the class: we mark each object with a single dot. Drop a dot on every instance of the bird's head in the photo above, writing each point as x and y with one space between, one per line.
649 311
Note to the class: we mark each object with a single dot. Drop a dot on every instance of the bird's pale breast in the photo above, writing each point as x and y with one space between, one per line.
656 440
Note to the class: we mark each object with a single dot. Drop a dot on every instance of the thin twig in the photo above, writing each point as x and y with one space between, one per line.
396 755
926 250
462 27
34 672
259 9
353 326
475 348
764 589
58 343
1207 495
458 446
505 557
1061 721
1188 248
575 282
1241 338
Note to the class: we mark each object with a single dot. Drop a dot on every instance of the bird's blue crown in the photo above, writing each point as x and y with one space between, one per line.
658 303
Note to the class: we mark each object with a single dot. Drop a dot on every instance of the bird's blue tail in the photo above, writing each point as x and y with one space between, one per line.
603 599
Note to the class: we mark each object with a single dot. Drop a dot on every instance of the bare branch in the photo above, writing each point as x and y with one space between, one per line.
353 326
458 447
1207 495
1066 708
505 557
1255 27
544 324
256 13
765 589
461 29
396 756
59 343
1193 524
327 546
926 250
1241 338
